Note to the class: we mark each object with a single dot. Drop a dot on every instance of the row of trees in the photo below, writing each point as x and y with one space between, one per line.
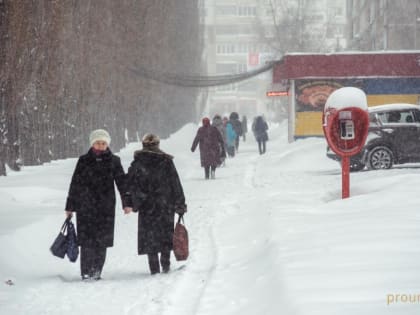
65 70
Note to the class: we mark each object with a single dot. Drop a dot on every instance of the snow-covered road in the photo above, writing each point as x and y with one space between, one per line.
270 235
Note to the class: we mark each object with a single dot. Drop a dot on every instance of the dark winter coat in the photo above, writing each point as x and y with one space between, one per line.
92 197
211 146
260 127
156 194
237 126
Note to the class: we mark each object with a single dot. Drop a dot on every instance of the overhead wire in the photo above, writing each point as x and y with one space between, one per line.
186 80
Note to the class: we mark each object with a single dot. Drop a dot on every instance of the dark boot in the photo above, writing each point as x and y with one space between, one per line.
206 172
213 172
86 261
154 263
165 261
260 149
99 261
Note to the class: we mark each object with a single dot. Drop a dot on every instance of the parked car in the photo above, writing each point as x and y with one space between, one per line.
393 138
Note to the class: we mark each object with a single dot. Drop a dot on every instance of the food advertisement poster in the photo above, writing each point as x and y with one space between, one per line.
311 95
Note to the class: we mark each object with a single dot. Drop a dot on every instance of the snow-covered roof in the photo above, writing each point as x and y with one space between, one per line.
355 52
403 64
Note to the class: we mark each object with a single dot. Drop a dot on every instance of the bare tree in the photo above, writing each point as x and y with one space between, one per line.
64 70
289 26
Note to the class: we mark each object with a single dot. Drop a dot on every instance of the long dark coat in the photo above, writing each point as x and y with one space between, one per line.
236 123
211 146
156 193
260 128
92 197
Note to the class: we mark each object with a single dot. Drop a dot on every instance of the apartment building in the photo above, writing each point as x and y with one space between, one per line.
242 35
233 44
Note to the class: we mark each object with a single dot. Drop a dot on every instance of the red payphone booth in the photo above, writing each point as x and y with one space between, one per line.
345 126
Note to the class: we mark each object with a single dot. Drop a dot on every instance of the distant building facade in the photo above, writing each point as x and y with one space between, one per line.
233 45
242 35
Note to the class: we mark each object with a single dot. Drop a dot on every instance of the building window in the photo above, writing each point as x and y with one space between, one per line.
241 67
252 48
242 48
225 49
247 11
245 48
225 10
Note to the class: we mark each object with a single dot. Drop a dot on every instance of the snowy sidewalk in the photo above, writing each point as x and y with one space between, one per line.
270 235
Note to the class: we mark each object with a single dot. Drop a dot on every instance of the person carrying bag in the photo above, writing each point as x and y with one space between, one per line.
156 193
92 198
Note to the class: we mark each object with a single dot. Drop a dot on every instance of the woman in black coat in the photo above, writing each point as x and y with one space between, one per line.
260 127
92 197
156 194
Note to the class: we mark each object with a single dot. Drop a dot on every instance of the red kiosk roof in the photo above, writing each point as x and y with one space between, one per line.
404 64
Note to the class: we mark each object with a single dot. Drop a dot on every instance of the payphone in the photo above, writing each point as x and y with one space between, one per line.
346 125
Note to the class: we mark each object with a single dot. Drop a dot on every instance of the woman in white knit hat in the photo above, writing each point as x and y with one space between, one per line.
92 197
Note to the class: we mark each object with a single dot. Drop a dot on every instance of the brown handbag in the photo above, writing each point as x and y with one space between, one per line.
180 240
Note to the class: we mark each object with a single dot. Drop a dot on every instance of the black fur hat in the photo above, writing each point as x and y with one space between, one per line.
150 140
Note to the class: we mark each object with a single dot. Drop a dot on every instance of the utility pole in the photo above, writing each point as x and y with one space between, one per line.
416 24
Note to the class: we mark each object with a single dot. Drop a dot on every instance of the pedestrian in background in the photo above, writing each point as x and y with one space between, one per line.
218 123
210 143
92 197
230 137
259 128
237 126
244 123
156 193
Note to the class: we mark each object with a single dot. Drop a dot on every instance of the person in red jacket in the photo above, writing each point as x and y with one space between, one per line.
212 148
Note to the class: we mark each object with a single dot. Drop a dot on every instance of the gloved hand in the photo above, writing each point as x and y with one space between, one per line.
181 209
192 150
127 210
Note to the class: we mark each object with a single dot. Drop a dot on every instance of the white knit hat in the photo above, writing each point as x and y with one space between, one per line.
99 135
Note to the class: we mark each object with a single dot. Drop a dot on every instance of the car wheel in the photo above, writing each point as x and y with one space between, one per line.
380 158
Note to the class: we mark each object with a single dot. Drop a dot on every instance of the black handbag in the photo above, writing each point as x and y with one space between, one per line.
72 247
60 245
